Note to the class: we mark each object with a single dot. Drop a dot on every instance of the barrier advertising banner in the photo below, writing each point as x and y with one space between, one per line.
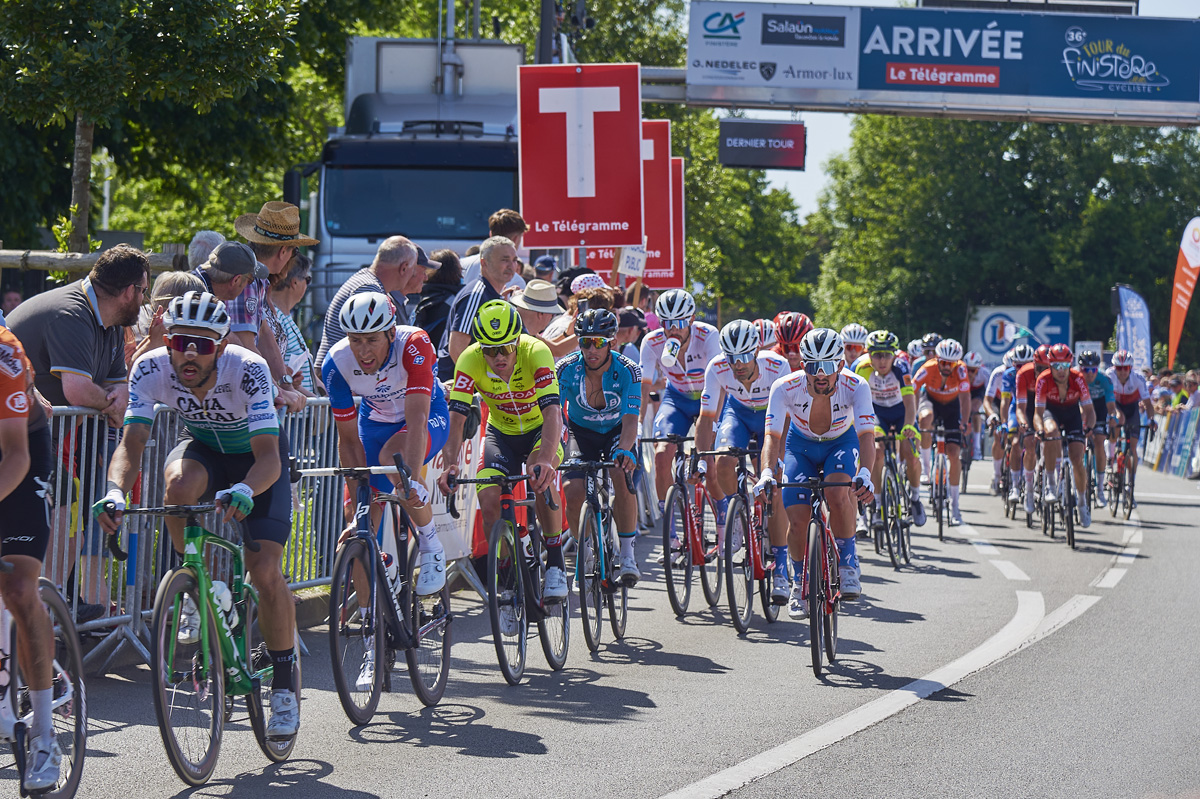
1133 328
1187 266
579 153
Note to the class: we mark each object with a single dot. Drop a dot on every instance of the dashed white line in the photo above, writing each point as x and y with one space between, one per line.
985 547
1110 578
1009 569
1121 562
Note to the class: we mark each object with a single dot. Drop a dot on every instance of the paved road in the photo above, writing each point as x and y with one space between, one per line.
1100 704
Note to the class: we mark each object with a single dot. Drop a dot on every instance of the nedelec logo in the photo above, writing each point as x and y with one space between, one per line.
723 25
804 30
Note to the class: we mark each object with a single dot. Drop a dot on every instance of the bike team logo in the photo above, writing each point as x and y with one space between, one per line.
766 69
1105 65
724 25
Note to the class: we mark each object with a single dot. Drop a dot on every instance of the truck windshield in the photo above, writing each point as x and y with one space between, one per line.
417 203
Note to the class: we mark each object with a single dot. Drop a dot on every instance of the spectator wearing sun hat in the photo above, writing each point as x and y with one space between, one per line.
537 304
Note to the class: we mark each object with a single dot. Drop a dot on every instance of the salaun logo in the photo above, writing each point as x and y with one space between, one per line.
723 25
804 30
766 69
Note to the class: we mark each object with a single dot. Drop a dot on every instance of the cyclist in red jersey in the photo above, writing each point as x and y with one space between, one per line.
1023 396
1059 393
790 327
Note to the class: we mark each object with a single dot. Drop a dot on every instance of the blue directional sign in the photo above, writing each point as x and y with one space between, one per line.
994 329
1050 327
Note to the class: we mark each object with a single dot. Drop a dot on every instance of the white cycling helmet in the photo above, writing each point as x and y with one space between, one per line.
766 332
1021 354
914 348
821 344
1122 358
1007 359
739 337
854 334
948 350
973 360
368 312
675 304
197 309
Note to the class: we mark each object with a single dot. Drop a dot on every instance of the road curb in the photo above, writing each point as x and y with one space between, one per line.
312 606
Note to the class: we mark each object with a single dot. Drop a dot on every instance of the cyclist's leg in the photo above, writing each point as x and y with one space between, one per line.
735 429
925 425
839 466
671 419
549 520
574 485
976 422
500 458
395 439
798 465
190 475
950 415
1052 449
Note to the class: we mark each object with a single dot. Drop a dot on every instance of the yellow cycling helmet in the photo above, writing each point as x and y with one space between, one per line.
496 323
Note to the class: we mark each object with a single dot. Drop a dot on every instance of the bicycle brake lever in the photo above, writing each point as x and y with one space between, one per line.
114 547
629 482
451 505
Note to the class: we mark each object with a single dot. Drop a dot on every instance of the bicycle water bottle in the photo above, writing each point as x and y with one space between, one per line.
224 599
5 639
527 546
393 573
670 355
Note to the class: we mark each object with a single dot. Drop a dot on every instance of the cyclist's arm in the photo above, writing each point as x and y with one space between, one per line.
770 454
14 446
126 460
910 409
351 453
416 418
1089 415
711 402
267 467
1041 388
864 423
964 397
774 427
629 433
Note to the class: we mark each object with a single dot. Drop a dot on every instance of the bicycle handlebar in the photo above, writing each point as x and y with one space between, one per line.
595 466
454 480
177 511
671 439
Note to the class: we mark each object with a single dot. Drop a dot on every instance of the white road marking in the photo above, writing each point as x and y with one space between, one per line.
1070 610
985 547
1110 578
968 530
1009 569
1181 497
1123 559
1031 610
1128 556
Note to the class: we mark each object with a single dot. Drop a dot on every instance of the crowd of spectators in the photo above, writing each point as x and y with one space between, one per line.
1174 391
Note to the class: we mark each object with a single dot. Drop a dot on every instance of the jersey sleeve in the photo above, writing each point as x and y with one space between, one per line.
631 391
900 370
649 359
1041 388
259 398
143 379
919 379
545 381
864 408
462 390
1081 385
710 398
964 382
14 378
418 359
1143 389
1109 395
341 398
777 409
1008 382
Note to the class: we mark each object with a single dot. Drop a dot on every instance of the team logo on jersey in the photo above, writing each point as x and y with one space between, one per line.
10 361
17 402
543 378
464 383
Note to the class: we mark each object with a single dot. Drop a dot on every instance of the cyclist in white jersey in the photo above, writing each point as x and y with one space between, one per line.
737 385
832 431
681 350
224 395
991 407
1129 391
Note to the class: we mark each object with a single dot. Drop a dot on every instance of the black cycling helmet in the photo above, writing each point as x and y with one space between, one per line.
596 322
930 341
1089 358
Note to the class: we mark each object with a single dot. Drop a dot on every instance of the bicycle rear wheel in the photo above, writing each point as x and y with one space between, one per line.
189 681
889 513
1116 490
506 601
554 628
618 597
429 629
677 559
589 575
1127 495
714 558
739 568
816 594
1068 505
832 583
68 698
355 632
258 702
765 553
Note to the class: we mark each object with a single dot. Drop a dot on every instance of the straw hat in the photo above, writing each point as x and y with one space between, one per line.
538 296
276 223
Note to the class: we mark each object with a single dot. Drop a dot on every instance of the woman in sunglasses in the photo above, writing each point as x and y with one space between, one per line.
737 385
832 433
1063 410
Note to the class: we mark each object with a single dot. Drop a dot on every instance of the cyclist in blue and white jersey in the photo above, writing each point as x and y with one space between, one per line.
832 431
403 410
1130 391
224 395
1105 403
601 394
737 385
992 403
681 350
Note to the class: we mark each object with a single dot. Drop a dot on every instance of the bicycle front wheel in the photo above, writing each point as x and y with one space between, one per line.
889 515
589 575
429 629
817 588
712 567
1116 490
940 480
258 701
356 632
554 631
506 601
189 680
739 573
677 558
1068 503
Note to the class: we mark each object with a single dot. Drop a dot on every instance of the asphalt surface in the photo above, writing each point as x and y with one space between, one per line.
1102 705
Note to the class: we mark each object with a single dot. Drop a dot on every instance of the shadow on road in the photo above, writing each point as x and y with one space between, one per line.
454 726
864 608
298 773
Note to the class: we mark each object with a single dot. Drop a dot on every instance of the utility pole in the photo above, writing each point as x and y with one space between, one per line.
549 26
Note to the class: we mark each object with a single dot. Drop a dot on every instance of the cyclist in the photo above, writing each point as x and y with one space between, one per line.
832 431
854 341
944 379
602 396
680 349
1059 394
737 386
25 469
978 380
391 367
1105 405
790 330
766 333
1023 400
224 395
911 354
895 407
514 374
993 398
1130 391
1022 354
929 343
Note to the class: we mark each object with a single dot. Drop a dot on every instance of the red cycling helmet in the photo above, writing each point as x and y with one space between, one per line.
790 327
1059 353
1041 355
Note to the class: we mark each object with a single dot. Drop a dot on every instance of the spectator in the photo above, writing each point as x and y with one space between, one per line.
472 250
546 268
632 324
498 260
390 272
588 289
508 223
74 339
287 289
12 298
438 293
148 332
201 246
538 305
1178 394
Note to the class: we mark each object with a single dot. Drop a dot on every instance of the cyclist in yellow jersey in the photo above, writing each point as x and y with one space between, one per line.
514 374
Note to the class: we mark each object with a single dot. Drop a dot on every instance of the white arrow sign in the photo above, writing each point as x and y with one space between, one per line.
1045 331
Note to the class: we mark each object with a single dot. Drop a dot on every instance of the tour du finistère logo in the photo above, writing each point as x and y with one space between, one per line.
724 25
1105 65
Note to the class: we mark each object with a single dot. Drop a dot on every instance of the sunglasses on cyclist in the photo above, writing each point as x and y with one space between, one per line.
501 349
675 324
882 353
815 368
587 342
790 349
1060 367
742 357
1091 370
203 344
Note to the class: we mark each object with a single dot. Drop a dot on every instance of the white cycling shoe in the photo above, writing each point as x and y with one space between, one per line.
629 573
508 615
366 675
797 604
781 588
1101 500
189 621
1085 515
1029 501
1014 494
555 587
45 765
851 586
285 714
432 577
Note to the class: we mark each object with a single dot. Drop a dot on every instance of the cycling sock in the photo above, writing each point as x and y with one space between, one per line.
283 659
1029 480
847 553
798 569
914 492
662 507
996 468
627 540
722 506
554 555
43 720
954 497
926 459
427 539
781 559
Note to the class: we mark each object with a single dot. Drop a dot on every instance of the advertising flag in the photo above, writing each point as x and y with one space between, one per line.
1133 328
1187 266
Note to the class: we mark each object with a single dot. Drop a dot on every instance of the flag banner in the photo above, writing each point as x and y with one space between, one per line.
1187 266
1133 328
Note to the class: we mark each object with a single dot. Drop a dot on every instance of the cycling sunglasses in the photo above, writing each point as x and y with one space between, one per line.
790 349
500 349
587 342
815 368
1091 370
1060 367
675 324
741 357
202 344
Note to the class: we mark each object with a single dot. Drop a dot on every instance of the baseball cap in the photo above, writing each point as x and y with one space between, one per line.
423 260
547 263
631 317
236 258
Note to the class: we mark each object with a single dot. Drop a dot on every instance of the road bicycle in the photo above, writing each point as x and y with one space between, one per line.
367 623
1089 468
196 682
895 505
1067 498
822 580
598 559
689 533
68 706
1119 476
516 568
1045 497
939 480
748 555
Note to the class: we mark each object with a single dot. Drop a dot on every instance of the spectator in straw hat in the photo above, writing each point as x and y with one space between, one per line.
274 236
537 304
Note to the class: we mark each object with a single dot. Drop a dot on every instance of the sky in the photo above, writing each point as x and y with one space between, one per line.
829 133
